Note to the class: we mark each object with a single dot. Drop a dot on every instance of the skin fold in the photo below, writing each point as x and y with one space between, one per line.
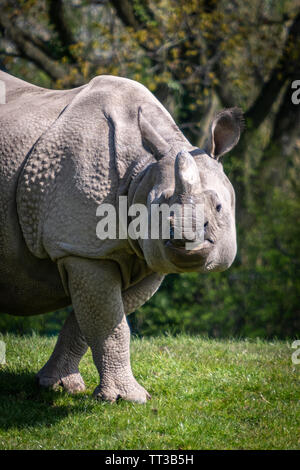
62 154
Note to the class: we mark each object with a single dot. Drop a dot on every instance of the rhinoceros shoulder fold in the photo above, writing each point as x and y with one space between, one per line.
81 161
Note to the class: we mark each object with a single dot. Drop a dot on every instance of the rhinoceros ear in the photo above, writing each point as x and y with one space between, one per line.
158 145
225 131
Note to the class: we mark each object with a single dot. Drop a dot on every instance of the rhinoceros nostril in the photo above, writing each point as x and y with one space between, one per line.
205 225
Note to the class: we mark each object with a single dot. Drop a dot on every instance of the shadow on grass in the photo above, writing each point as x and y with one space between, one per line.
24 404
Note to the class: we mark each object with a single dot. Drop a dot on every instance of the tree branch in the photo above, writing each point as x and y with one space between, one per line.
130 15
286 132
284 69
58 20
30 50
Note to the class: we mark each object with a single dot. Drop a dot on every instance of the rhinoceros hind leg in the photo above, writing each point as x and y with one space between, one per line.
62 367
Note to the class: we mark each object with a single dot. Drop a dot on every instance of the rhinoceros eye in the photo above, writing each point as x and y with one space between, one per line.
218 207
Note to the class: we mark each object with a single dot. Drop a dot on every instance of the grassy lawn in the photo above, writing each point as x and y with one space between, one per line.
206 394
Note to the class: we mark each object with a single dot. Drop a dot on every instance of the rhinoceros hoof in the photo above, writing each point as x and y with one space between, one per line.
72 383
136 393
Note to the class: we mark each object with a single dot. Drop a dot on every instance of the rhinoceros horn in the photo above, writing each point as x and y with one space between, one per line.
187 179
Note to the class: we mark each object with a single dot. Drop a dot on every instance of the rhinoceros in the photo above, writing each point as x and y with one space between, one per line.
64 153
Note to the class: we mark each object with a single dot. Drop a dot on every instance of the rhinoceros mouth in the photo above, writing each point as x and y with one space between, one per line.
189 258
198 249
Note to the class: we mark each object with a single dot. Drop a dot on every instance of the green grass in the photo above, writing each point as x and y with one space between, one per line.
206 394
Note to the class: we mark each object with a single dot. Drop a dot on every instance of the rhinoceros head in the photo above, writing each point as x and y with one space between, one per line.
192 178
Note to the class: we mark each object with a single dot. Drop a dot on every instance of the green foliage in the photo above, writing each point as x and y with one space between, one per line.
49 324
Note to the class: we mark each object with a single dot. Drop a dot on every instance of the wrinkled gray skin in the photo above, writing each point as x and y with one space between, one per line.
62 153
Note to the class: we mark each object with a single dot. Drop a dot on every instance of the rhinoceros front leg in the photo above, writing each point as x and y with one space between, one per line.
62 367
95 288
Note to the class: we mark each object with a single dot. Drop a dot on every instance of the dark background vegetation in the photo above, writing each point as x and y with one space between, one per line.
196 56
